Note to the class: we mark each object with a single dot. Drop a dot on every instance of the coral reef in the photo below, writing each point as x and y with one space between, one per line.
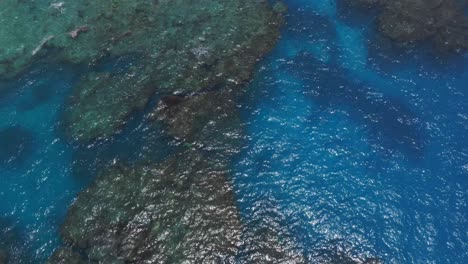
441 21
184 46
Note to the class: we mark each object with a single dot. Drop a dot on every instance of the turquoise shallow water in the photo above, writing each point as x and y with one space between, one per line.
36 184
354 146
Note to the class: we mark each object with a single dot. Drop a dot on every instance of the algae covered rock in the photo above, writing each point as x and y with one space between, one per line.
441 21
180 210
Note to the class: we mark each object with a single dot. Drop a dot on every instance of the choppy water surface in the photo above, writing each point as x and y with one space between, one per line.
353 147
356 147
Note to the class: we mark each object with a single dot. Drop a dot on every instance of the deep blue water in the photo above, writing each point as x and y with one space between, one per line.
354 145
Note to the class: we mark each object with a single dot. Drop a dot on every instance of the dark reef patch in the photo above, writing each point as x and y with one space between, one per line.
16 143
443 22
209 120
3 256
171 100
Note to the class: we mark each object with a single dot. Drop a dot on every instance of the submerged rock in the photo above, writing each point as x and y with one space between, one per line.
441 21
180 210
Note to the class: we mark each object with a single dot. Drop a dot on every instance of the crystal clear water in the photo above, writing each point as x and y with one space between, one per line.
353 145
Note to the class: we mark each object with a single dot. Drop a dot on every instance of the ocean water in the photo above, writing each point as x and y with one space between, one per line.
354 146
